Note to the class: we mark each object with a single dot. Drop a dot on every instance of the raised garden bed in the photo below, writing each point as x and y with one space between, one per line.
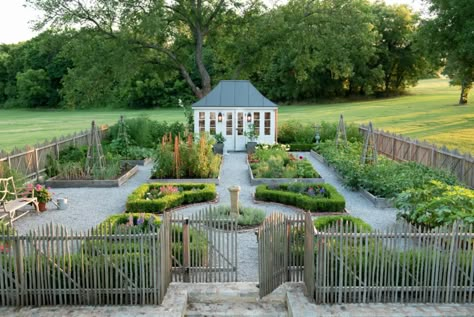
215 181
378 202
270 181
159 197
312 197
57 182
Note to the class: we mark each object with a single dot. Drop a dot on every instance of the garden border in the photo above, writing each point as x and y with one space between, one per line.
271 181
378 202
143 162
191 180
59 183
313 214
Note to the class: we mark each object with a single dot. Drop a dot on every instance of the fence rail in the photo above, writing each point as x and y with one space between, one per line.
402 264
32 161
54 266
400 148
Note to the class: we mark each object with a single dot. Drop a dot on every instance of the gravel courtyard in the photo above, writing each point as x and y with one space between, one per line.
90 206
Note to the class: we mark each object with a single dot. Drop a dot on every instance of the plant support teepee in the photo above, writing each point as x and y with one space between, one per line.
369 152
95 156
341 135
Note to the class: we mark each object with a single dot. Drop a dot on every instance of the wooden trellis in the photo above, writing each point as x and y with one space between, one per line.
95 156
369 152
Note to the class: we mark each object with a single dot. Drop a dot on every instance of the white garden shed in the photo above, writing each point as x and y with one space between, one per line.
230 108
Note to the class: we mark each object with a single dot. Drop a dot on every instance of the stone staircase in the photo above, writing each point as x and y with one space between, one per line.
233 299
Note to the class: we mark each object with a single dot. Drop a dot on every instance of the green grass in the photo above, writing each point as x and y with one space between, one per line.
429 111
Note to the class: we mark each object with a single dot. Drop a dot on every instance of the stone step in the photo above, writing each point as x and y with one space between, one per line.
254 309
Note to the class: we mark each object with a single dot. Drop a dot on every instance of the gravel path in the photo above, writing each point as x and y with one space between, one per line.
87 207
90 206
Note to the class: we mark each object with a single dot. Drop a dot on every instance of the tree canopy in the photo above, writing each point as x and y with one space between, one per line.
152 53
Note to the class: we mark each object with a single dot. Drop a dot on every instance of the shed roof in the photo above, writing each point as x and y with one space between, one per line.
234 93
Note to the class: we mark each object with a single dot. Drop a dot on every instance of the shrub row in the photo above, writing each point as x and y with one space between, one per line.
191 193
301 147
321 223
280 194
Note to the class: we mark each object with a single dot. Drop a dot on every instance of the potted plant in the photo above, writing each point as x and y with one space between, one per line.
43 195
252 137
219 146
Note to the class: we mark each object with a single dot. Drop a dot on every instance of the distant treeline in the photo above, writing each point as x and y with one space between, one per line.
158 53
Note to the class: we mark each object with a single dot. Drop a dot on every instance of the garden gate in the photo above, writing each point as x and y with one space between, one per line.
204 247
282 246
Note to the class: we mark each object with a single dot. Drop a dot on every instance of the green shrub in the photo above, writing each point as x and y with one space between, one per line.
248 216
301 147
191 193
324 222
436 204
281 194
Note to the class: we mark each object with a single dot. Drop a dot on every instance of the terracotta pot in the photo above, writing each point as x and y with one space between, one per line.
42 207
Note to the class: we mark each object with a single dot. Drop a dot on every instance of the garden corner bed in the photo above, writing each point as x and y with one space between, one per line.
159 197
272 164
57 182
314 197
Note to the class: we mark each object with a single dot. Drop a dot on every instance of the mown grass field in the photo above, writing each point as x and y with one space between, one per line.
429 111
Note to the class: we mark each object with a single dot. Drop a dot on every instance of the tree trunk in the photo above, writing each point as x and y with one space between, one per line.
197 92
205 78
465 88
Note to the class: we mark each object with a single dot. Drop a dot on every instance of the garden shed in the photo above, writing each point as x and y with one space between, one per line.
231 108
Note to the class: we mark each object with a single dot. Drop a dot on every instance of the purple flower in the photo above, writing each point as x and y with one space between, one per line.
141 219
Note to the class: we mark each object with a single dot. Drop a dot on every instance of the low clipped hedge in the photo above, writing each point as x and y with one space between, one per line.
280 194
301 147
137 201
324 222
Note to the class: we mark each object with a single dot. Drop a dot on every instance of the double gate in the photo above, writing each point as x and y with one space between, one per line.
203 247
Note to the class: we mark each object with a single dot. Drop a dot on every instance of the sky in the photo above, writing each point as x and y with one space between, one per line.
15 19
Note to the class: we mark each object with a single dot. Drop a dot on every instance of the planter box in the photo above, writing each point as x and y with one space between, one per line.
318 157
190 180
270 181
322 160
377 201
61 183
143 162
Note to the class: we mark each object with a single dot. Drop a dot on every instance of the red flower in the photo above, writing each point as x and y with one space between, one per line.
301 157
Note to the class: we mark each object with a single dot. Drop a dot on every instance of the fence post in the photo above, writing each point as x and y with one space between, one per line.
186 253
288 248
19 269
37 164
9 162
56 147
309 277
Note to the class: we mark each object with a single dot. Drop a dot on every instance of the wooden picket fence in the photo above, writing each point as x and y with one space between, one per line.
55 266
402 264
400 148
31 161
281 250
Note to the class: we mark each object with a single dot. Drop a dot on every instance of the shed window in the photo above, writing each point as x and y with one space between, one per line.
256 122
212 123
202 121
240 123
228 123
268 123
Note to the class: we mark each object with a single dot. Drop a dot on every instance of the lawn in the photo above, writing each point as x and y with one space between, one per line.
429 111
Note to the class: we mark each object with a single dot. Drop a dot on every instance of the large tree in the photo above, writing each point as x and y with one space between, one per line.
172 29
450 37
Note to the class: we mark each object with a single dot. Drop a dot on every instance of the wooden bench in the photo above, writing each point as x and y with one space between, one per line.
11 201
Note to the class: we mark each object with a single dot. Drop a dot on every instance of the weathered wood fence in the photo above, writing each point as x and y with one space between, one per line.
54 266
402 264
401 148
281 251
31 161
204 247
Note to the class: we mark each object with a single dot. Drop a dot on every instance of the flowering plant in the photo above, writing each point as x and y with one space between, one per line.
41 193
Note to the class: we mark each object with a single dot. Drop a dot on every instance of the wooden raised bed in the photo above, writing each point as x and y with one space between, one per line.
62 183
143 162
190 180
270 181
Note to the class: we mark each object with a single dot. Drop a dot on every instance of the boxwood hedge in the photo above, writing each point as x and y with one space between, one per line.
280 194
191 193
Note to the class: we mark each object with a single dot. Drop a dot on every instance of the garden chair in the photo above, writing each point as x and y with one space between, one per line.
12 201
